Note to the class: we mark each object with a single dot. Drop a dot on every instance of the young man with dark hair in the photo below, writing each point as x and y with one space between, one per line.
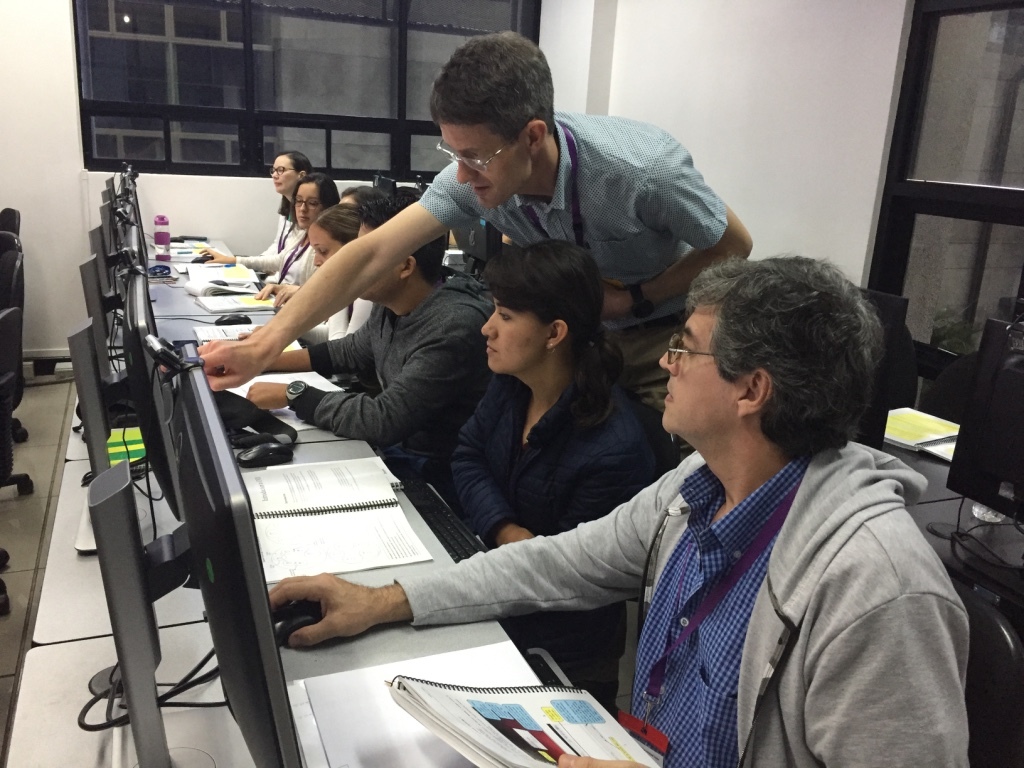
794 613
625 190
423 344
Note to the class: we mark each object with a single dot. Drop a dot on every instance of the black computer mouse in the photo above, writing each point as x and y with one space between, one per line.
293 616
202 259
234 319
265 455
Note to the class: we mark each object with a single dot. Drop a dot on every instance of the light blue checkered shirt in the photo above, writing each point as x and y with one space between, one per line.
642 202
698 708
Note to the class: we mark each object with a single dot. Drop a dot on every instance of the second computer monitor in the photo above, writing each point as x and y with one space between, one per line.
227 564
988 464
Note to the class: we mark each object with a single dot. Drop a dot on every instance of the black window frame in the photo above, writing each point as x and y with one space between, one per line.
251 121
903 198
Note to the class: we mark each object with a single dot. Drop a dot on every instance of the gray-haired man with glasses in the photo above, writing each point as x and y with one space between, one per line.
625 190
793 614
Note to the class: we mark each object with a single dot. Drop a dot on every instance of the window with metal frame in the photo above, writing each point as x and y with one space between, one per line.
951 226
221 87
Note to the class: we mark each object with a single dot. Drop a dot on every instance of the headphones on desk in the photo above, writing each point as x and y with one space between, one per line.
160 270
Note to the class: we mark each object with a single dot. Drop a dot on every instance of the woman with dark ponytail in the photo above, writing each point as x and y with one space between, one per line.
554 442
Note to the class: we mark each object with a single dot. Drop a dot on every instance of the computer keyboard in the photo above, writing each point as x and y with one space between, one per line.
457 540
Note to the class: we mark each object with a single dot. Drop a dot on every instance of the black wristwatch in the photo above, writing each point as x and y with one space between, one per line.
641 307
294 391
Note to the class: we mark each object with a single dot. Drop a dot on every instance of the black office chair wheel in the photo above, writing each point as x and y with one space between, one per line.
25 486
18 433
5 601
5 558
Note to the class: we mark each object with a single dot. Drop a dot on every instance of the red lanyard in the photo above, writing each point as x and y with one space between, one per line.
656 681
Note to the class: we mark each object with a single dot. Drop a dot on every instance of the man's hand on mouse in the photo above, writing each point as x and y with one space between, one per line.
348 608
268 396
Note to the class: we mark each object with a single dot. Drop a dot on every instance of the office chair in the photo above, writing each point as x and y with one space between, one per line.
10 221
9 242
995 696
895 383
666 452
12 294
949 394
10 363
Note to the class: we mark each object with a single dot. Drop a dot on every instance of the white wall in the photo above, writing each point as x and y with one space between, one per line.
786 107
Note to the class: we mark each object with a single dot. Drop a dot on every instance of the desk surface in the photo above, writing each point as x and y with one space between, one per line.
934 469
72 604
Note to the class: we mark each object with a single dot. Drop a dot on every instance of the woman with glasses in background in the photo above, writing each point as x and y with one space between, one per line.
314 193
288 169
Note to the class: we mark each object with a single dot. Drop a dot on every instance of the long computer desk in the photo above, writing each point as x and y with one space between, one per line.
72 620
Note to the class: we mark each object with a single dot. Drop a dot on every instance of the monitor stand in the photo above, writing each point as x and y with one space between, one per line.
85 539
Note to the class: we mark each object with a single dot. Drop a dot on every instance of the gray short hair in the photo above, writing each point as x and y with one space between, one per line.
811 329
501 81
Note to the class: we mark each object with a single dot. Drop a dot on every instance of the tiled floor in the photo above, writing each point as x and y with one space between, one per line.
25 523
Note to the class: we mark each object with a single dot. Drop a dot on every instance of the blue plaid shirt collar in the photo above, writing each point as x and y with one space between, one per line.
704 494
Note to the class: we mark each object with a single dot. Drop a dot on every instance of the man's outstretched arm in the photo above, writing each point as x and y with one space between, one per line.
333 286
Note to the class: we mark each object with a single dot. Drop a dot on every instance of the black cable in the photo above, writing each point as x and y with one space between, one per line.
163 700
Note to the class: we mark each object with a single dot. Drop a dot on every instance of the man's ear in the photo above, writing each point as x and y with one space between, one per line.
407 268
535 131
755 390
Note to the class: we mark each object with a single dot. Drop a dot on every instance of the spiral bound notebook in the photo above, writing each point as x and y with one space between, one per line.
517 727
334 516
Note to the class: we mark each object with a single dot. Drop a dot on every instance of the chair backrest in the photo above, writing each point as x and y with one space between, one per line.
666 452
10 242
10 221
995 685
10 366
12 280
950 393
896 377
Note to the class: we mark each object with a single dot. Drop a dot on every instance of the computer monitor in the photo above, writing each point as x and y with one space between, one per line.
895 384
384 184
988 463
101 321
227 564
145 389
89 384
479 241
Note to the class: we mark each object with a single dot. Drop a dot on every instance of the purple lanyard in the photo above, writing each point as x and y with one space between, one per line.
294 256
286 229
577 217
656 682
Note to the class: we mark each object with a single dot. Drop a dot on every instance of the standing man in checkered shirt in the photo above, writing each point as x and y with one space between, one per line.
625 190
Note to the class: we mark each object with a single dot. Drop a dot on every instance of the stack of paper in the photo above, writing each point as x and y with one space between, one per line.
920 431
229 273
219 305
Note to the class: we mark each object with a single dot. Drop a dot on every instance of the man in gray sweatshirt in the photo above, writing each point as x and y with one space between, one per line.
423 344
794 615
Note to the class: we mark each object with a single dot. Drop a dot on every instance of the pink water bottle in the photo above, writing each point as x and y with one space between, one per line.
162 238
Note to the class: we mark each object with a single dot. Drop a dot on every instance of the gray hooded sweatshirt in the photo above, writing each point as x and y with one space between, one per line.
876 664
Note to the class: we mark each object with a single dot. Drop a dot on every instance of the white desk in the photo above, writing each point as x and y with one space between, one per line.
53 690
72 605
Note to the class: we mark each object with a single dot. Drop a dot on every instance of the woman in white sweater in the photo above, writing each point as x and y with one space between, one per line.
288 169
